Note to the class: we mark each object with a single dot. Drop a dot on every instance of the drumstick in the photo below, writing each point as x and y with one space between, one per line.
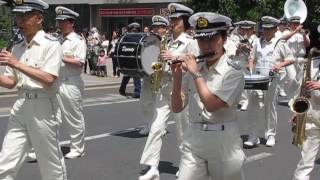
199 58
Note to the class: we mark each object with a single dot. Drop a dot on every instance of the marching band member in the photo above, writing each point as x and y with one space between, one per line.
147 98
211 147
71 84
311 144
179 43
246 30
33 67
269 54
297 42
133 27
282 30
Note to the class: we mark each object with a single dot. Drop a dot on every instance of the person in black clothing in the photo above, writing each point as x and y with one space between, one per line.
133 27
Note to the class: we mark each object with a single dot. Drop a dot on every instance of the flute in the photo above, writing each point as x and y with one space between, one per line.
199 58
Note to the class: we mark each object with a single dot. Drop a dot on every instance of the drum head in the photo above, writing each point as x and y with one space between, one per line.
150 53
256 77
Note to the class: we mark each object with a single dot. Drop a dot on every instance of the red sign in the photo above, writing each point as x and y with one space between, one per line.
127 12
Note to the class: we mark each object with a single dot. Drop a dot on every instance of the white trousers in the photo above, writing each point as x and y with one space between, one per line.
162 114
212 155
147 101
309 153
70 112
33 124
266 101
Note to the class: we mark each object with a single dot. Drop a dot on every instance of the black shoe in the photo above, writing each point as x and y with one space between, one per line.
122 93
136 96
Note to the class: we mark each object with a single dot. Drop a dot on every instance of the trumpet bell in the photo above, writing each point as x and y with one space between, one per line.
296 8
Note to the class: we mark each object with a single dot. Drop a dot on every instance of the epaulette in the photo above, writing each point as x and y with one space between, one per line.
50 37
79 37
189 37
233 64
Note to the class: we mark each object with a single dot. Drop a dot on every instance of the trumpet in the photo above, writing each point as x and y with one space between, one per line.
199 58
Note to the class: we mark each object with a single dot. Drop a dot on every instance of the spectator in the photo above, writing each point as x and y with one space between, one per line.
114 40
101 65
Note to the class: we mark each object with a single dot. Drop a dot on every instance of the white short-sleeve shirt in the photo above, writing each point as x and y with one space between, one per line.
223 81
267 54
73 45
43 52
296 44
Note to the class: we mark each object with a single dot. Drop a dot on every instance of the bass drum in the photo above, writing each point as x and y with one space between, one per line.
136 52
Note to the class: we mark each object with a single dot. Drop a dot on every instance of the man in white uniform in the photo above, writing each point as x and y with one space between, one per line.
297 41
282 30
71 84
211 146
311 145
269 54
179 43
247 37
147 97
33 67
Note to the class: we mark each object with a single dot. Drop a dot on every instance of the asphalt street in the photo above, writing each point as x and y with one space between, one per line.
113 146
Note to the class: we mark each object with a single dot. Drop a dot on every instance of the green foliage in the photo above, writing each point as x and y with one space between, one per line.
5 25
253 9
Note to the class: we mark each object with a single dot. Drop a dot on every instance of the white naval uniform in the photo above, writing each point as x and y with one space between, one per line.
71 90
184 44
147 100
33 122
242 59
266 55
283 78
213 154
311 145
296 44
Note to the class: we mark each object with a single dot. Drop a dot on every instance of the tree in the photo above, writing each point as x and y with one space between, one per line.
253 9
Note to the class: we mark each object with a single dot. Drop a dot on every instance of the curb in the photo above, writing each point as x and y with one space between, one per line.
9 92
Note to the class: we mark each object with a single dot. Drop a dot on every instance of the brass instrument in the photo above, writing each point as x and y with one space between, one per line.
158 67
295 8
301 104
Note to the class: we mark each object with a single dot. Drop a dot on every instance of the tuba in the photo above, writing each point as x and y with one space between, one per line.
301 104
158 67
295 8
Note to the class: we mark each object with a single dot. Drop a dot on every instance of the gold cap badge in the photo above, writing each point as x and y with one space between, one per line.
173 9
59 12
202 22
19 2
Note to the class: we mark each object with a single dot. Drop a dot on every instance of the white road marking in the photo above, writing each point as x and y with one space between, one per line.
88 102
99 136
249 159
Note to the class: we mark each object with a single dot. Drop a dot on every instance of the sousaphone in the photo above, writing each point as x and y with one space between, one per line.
295 8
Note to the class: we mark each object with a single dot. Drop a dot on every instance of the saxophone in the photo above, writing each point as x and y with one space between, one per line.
301 104
158 67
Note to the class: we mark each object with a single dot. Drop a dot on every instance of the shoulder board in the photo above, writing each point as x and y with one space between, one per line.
233 64
79 37
189 37
51 37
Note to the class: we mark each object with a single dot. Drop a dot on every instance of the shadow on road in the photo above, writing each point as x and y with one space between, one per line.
167 167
